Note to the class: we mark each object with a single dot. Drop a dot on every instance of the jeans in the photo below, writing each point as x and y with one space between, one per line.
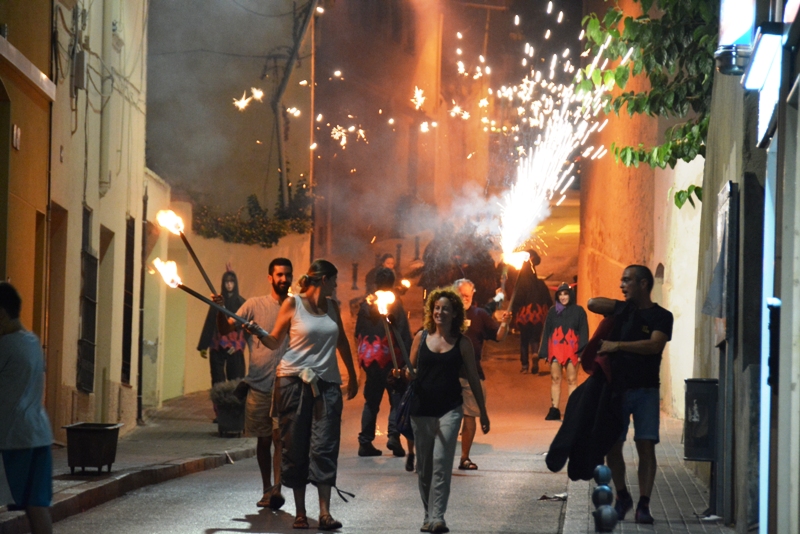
373 395
435 441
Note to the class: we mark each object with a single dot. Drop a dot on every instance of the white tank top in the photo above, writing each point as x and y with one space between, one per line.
312 344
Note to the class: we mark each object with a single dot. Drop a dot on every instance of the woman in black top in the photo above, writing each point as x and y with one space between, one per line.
439 353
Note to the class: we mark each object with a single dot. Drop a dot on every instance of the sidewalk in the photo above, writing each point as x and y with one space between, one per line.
677 496
177 440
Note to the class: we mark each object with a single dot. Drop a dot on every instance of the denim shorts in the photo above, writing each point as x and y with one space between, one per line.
30 476
644 405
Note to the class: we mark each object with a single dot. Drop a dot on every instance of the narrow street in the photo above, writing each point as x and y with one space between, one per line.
502 496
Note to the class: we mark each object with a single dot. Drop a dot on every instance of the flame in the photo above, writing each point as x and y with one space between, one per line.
383 299
169 220
516 259
405 283
169 271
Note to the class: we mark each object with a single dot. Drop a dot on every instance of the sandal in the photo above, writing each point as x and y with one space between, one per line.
327 522
300 522
467 465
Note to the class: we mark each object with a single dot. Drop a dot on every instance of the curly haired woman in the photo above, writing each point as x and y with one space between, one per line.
439 353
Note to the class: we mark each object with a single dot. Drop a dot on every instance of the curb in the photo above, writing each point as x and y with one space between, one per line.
78 499
577 519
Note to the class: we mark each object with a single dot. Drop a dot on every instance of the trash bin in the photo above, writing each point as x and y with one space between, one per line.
92 445
700 423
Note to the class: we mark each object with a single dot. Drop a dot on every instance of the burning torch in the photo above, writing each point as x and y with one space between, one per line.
516 260
169 220
383 299
169 271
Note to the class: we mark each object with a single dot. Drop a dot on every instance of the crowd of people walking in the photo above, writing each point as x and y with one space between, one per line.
434 381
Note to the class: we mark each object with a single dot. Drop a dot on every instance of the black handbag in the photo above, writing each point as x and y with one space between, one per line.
407 402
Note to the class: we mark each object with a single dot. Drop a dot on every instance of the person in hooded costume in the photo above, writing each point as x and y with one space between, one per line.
226 351
530 304
566 332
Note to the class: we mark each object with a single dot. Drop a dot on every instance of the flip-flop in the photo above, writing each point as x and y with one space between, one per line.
467 465
300 522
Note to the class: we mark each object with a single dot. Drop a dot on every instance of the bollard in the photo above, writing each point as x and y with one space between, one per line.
602 474
355 275
605 518
416 248
601 495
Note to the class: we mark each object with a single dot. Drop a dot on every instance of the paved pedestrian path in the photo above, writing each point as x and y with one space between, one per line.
177 440
678 496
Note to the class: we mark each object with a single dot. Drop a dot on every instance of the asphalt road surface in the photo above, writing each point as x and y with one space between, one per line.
501 496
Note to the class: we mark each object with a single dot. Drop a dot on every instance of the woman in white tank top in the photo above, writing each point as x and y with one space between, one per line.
308 395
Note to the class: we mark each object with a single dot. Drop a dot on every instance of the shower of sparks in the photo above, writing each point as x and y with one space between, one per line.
340 134
424 127
418 99
242 103
293 111
258 94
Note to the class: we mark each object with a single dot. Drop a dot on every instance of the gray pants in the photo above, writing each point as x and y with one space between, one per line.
310 429
435 439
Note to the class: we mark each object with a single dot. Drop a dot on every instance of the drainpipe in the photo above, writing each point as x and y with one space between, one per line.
139 380
109 28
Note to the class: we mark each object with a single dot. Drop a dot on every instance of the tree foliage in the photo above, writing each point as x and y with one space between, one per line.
252 225
673 46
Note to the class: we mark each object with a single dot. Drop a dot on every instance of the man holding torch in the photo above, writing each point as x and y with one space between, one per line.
375 357
261 377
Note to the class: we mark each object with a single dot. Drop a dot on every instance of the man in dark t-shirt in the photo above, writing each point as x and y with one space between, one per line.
642 329
480 327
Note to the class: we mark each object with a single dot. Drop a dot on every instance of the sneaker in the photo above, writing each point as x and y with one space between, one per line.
622 506
368 449
535 366
553 415
524 370
395 446
643 515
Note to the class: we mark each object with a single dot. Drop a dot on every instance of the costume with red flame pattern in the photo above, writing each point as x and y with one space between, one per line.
566 330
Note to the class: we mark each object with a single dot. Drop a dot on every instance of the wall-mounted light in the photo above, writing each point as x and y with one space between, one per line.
736 22
766 50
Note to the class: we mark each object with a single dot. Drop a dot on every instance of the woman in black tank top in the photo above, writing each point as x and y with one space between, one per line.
439 353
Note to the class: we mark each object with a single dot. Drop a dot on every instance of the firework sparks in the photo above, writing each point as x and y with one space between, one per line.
418 99
257 93
243 102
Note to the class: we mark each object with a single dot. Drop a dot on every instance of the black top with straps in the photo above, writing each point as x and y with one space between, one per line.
438 389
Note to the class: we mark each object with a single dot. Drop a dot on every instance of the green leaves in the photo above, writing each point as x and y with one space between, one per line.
684 195
672 44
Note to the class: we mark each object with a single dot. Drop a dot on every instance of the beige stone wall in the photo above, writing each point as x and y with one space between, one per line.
97 155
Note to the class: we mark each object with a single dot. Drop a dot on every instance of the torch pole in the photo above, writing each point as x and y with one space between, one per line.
197 262
391 343
222 309
403 349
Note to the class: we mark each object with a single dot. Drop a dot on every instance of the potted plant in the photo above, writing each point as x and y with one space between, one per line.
229 406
